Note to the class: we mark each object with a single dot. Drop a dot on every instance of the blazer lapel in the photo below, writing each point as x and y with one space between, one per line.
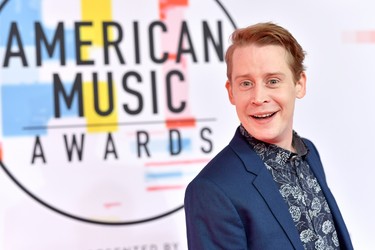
266 187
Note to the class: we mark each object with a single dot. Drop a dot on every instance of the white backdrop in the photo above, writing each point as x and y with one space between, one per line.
337 115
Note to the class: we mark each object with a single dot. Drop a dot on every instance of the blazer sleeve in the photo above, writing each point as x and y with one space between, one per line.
211 219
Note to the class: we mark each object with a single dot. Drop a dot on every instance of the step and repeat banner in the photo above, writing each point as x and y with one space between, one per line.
108 108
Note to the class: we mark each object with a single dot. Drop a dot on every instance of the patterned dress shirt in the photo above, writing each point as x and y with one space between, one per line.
300 190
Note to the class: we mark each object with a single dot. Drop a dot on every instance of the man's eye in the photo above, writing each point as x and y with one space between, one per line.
273 81
246 84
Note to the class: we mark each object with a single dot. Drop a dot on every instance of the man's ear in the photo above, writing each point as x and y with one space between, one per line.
301 86
228 86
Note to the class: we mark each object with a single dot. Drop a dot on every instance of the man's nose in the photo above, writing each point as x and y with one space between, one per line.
259 95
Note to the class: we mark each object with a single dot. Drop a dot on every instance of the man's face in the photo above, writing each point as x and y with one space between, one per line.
263 90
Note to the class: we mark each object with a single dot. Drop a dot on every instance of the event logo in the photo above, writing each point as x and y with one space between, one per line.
109 108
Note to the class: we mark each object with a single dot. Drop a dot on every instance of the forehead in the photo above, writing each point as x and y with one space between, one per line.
254 51
260 58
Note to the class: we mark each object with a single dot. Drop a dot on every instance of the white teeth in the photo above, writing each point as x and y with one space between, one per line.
263 116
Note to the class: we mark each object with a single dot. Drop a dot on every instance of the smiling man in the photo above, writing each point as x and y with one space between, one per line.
267 188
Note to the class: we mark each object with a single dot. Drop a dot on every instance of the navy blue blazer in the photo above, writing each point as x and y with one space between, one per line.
234 203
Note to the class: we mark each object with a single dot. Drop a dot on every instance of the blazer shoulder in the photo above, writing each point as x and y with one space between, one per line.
235 160
225 163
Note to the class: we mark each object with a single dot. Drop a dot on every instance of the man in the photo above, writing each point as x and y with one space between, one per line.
267 188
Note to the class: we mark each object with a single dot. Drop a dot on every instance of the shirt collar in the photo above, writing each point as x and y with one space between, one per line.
263 149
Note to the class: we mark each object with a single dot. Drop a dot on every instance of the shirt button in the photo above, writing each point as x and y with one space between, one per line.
295 160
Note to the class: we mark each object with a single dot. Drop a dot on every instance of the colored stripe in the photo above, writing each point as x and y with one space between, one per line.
176 123
169 163
112 204
164 175
162 188
359 37
166 4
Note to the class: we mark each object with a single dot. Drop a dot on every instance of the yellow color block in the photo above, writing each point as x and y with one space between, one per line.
97 123
97 12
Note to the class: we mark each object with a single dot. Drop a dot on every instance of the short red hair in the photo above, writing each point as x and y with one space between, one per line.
267 34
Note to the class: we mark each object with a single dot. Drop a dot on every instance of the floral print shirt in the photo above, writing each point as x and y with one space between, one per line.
300 190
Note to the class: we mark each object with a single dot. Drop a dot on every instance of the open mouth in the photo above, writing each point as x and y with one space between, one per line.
263 116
